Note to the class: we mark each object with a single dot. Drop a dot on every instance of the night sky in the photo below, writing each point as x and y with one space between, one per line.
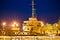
46 10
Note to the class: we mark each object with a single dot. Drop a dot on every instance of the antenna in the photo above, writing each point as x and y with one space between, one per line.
33 15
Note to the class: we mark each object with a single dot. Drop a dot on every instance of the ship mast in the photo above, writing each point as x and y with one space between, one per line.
33 15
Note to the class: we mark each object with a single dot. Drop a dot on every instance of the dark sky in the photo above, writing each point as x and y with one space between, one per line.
46 10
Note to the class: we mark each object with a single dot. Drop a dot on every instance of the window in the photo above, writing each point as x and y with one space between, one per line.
39 24
25 23
30 25
28 29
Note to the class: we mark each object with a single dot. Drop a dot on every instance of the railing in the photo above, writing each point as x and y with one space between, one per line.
13 35
29 37
19 33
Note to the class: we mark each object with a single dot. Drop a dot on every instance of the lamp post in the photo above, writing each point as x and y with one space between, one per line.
14 27
3 24
15 24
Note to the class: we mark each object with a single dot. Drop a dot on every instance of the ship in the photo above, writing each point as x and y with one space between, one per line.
32 25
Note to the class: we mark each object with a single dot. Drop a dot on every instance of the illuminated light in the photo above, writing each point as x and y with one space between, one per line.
17 24
25 28
15 32
4 23
13 39
14 22
56 24
13 25
25 33
42 24
16 39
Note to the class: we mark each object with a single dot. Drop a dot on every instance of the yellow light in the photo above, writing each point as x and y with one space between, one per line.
14 22
17 25
13 25
42 24
56 24
4 23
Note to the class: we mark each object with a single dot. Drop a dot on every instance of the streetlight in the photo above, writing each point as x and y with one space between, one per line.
3 24
15 24
15 27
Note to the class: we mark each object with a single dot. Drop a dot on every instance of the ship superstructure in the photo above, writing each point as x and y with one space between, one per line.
32 25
